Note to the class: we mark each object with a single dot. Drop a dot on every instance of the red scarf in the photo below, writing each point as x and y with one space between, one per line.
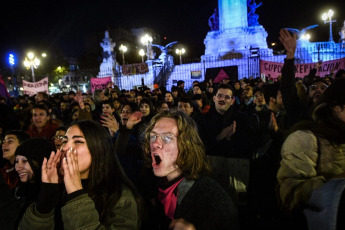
169 199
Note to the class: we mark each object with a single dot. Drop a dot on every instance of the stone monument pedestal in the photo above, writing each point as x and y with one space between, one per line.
235 41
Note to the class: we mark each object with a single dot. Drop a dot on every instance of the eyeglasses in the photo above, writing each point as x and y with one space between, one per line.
58 138
220 96
314 87
165 137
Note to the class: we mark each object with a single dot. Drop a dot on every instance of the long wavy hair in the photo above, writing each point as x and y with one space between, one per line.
191 158
106 177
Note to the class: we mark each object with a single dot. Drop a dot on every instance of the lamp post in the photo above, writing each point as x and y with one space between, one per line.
180 52
147 40
142 54
123 50
305 37
328 16
31 62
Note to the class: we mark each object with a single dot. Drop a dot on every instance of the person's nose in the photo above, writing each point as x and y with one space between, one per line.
157 143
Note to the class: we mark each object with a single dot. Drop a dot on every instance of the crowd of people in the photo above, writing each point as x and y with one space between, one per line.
232 155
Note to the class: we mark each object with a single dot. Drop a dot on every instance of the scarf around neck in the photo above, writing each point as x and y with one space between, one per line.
168 198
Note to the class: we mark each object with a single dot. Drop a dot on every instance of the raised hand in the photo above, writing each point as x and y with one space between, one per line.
71 172
51 167
110 122
80 99
134 119
289 42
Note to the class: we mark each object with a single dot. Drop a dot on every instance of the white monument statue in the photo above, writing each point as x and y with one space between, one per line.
235 30
109 61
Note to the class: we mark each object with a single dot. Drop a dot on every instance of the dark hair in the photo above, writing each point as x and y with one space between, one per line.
186 100
148 101
270 90
191 157
106 177
174 88
223 86
340 74
63 128
108 102
20 134
42 107
134 106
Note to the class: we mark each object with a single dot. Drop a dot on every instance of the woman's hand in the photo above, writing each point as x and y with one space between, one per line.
134 119
71 171
110 122
80 99
51 167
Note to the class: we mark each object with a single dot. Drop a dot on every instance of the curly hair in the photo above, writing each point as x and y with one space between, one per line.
191 158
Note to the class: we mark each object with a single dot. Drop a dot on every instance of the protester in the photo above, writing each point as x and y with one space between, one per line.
312 155
9 145
29 157
95 185
175 151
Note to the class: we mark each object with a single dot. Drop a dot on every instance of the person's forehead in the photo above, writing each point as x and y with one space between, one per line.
183 103
225 91
11 137
320 83
166 125
38 110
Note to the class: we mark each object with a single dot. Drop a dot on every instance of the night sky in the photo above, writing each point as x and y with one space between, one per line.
63 24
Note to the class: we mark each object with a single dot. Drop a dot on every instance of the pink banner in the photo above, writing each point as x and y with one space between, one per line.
274 69
32 88
99 83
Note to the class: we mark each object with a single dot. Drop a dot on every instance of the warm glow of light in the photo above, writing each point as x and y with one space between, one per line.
180 51
141 52
146 39
123 48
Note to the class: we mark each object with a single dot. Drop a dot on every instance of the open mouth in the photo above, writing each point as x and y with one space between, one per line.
157 159
221 103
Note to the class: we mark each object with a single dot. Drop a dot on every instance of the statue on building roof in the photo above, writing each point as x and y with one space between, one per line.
213 21
252 16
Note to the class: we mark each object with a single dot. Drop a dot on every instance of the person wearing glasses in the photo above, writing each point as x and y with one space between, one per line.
187 198
230 142
58 138
297 109
313 162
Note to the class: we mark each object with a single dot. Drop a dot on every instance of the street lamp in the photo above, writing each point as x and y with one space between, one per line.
142 54
305 36
123 50
147 40
31 62
180 52
328 16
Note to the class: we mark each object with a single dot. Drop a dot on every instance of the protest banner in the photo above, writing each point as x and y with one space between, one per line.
274 69
99 83
133 69
32 88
